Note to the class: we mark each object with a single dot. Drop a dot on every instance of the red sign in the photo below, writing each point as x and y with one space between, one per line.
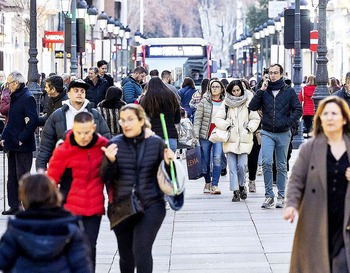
55 37
313 40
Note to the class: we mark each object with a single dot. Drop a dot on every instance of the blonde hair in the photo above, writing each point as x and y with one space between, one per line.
311 80
344 110
139 112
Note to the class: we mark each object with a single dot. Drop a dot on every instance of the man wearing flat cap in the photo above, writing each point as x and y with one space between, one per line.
62 119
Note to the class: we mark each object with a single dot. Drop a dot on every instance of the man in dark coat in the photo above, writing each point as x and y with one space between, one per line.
281 109
98 87
344 92
18 136
62 120
57 94
102 70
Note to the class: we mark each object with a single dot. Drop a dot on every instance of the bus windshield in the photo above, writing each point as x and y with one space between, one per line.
183 57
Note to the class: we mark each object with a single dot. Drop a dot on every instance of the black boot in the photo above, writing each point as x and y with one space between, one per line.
243 192
236 197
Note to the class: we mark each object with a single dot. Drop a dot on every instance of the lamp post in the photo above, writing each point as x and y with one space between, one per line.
257 38
110 30
81 11
266 32
121 36
92 15
262 36
116 34
271 29
33 75
321 90
73 57
250 49
102 20
127 37
278 26
65 11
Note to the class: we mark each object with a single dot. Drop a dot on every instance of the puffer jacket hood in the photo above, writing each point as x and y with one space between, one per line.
36 236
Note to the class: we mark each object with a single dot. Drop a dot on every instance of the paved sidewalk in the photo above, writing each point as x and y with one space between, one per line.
210 234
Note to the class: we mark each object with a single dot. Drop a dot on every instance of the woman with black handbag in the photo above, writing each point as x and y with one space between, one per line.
130 166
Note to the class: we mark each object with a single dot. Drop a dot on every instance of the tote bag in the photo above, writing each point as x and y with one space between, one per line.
194 163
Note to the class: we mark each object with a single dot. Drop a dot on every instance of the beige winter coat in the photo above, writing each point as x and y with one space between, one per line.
307 192
243 124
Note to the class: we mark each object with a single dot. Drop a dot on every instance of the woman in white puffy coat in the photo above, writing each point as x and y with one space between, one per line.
234 116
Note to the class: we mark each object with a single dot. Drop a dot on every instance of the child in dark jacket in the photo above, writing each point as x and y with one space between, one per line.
44 237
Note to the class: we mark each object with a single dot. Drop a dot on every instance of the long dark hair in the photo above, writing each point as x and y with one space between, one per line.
113 98
234 83
159 99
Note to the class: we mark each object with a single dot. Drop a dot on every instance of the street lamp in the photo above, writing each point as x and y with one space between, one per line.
81 11
257 38
121 36
321 90
92 15
33 74
65 11
278 26
137 36
271 29
127 37
110 30
102 20
116 34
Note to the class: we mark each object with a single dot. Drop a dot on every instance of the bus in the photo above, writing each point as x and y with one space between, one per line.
184 57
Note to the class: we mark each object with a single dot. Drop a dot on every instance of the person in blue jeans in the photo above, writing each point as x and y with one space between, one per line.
281 109
204 124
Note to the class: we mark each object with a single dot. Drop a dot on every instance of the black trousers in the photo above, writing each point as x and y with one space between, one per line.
253 158
92 228
136 238
308 123
19 163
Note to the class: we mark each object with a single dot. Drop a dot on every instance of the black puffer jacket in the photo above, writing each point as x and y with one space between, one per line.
343 94
55 129
280 113
123 172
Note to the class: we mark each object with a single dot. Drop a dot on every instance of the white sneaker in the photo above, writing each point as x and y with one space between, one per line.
259 172
207 188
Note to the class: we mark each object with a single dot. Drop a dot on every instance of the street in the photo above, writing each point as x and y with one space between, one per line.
210 234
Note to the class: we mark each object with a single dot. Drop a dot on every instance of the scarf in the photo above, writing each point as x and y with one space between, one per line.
233 101
277 85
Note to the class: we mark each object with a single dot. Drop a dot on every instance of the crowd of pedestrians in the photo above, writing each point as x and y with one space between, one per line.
95 135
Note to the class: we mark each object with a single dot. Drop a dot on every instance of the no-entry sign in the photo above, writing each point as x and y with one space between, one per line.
313 40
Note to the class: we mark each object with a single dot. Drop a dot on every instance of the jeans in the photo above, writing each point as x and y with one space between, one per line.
237 163
206 148
278 143
19 163
135 240
92 227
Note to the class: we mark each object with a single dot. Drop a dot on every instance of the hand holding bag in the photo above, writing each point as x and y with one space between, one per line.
130 207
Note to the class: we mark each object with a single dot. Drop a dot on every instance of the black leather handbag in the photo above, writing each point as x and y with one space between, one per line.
130 207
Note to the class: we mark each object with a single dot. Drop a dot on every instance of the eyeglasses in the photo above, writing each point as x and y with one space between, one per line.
8 83
122 122
216 86
274 72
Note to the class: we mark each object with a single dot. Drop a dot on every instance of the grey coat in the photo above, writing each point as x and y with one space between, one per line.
307 192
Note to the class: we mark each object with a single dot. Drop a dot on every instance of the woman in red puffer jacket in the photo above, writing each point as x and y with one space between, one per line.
305 97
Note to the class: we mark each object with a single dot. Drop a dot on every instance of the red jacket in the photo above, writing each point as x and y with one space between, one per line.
308 107
80 167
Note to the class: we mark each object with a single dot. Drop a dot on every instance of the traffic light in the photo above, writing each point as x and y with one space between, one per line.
232 60
133 57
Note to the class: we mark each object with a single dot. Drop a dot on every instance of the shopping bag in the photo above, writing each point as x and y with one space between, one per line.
194 163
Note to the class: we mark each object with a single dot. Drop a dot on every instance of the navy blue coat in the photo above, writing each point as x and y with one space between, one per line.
122 173
96 93
343 94
44 241
131 89
280 113
22 122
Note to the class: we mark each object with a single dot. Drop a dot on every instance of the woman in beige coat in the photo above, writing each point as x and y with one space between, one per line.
233 115
318 190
